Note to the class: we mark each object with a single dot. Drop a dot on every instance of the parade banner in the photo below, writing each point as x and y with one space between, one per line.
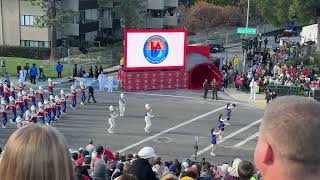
154 49
153 80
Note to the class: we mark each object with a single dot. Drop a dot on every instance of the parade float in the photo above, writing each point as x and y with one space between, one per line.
161 59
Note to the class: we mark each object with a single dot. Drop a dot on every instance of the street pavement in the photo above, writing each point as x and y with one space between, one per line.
259 102
180 116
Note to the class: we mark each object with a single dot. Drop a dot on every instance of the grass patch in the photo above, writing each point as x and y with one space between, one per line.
49 67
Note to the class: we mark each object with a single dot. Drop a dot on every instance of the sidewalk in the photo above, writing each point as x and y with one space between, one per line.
260 101
64 80
112 69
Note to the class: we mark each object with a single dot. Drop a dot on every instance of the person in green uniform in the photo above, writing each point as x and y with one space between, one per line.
205 88
214 89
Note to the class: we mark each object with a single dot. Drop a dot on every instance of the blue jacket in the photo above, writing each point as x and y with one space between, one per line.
34 71
59 68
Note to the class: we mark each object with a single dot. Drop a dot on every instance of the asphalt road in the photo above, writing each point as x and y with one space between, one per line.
180 115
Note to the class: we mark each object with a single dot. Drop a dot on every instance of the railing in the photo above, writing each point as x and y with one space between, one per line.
282 90
154 23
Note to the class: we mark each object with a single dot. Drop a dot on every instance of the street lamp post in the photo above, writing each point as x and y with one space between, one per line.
247 24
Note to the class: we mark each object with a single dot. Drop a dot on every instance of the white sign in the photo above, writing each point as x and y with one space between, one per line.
154 49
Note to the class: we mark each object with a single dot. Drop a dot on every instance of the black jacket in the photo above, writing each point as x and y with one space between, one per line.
91 90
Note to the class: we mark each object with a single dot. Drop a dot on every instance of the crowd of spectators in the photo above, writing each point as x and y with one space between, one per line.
265 72
95 162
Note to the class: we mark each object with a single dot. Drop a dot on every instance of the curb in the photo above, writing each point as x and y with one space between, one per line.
256 103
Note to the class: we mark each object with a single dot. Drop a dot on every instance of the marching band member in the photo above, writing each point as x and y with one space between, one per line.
112 116
73 98
32 96
48 111
20 102
50 86
13 90
147 118
83 93
58 106
20 86
33 114
40 93
1 88
6 93
13 105
19 121
122 104
4 111
52 103
41 113
27 116
63 97
25 100
110 82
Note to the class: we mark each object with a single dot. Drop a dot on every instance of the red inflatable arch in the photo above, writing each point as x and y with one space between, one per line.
200 67
201 72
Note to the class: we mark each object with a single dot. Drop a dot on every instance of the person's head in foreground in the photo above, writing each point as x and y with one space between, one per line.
288 145
36 152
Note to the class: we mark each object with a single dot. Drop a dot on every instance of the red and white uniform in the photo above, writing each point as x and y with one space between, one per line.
1 87
25 99
82 89
50 87
21 86
6 93
74 93
33 118
40 112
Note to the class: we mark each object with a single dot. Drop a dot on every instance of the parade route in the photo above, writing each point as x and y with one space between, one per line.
179 118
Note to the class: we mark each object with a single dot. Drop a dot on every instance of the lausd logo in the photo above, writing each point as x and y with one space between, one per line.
155 49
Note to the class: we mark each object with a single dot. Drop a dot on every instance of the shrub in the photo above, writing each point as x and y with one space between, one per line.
25 52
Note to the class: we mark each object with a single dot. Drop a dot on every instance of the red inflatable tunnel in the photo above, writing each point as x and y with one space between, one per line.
203 71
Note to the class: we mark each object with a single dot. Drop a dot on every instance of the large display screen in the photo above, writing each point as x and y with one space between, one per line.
154 49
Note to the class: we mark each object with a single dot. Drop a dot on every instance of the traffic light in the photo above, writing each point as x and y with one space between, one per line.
64 42
250 44
244 44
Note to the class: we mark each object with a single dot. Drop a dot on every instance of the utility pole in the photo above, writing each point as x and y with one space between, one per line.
247 24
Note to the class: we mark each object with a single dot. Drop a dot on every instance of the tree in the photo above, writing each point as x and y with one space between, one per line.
133 12
285 11
222 2
187 3
202 16
53 18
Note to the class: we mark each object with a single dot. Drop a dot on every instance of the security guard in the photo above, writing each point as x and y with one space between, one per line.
214 89
205 88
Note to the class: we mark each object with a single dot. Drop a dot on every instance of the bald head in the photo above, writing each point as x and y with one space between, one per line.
291 125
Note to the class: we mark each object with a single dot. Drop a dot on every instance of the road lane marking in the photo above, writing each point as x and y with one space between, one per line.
170 129
188 97
241 143
230 136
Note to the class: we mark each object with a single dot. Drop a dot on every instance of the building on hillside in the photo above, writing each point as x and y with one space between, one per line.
17 25
93 19
161 14
18 28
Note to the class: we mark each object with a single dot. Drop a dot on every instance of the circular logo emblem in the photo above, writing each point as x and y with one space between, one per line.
155 49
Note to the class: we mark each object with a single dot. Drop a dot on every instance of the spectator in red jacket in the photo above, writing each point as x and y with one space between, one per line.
79 161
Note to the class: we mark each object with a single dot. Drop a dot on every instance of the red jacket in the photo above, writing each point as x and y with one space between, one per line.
80 161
